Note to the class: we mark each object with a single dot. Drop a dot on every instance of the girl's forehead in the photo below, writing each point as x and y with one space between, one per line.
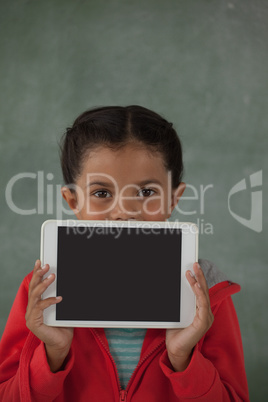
129 161
127 155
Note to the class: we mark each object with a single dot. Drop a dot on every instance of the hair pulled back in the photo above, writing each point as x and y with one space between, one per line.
114 127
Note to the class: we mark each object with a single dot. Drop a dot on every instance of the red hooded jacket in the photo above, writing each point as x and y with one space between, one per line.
216 371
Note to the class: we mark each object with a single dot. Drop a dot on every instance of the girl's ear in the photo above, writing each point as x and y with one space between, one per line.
176 195
71 199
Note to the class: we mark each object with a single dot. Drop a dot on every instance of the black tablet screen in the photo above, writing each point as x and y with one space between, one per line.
105 275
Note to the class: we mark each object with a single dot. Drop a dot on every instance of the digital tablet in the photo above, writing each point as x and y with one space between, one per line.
127 274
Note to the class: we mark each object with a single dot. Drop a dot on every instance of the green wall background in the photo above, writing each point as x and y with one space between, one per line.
202 64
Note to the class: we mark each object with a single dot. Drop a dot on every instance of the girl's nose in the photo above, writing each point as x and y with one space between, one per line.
125 211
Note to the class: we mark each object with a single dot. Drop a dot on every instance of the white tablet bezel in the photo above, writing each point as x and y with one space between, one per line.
189 255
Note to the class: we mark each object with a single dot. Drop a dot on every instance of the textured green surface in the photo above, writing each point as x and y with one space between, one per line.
202 64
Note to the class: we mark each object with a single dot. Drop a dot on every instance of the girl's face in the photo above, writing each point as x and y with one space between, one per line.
129 183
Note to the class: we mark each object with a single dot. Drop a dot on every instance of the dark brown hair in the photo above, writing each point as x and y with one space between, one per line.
114 127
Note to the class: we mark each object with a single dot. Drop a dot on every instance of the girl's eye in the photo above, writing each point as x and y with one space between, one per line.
102 194
146 192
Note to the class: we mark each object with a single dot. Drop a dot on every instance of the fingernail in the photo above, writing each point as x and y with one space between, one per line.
44 266
192 275
49 276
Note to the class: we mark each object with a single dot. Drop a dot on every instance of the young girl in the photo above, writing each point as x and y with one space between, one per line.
115 163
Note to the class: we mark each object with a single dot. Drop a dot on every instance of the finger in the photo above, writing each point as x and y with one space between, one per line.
43 304
34 316
38 274
191 278
204 317
37 292
201 280
37 265
201 297
200 289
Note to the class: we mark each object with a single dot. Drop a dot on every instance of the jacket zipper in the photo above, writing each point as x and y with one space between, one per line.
114 365
123 396
123 392
143 360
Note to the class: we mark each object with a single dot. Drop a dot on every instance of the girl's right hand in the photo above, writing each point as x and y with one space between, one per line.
57 340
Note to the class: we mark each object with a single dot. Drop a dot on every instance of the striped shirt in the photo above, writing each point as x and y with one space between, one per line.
125 346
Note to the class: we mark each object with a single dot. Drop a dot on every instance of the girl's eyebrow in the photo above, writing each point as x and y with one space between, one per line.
100 183
108 184
149 181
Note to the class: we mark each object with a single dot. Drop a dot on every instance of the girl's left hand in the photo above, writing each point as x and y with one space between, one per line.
180 342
